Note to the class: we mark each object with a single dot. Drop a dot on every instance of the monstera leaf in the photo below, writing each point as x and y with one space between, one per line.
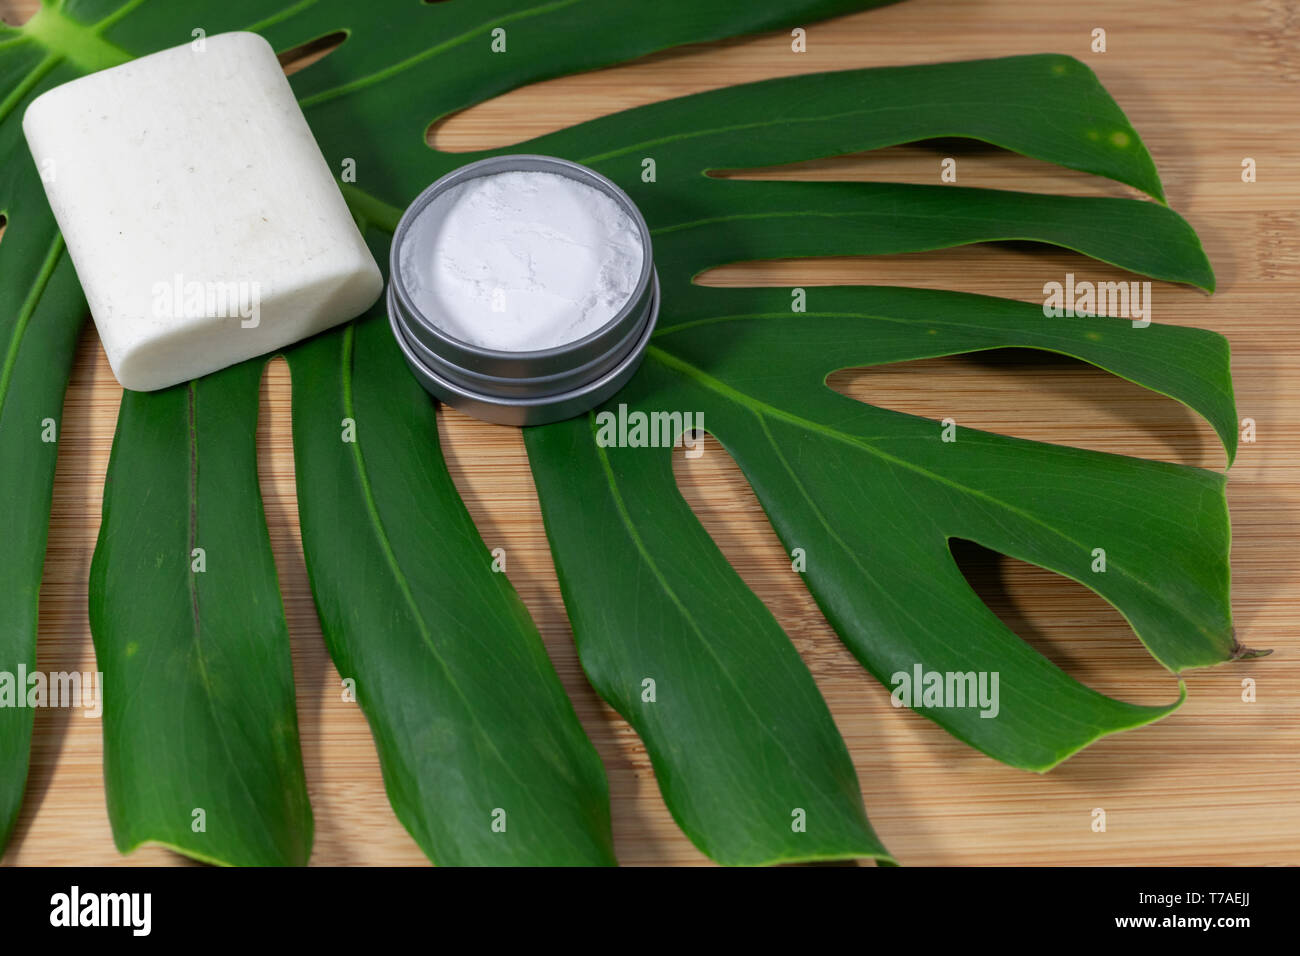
483 758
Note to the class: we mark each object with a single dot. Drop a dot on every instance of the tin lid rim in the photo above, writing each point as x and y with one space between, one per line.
629 361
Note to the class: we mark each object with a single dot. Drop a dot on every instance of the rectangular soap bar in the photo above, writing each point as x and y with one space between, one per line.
201 217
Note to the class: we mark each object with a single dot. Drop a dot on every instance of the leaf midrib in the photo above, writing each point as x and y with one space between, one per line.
25 314
81 44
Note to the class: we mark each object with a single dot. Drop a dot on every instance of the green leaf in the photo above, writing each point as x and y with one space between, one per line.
743 745
200 732
737 220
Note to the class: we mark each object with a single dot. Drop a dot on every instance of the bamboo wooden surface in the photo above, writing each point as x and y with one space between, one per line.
1206 84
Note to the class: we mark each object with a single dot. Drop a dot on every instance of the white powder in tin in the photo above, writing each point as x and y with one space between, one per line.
521 260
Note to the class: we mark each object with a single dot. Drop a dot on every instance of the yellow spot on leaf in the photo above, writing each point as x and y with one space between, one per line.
131 648
1092 336
1119 138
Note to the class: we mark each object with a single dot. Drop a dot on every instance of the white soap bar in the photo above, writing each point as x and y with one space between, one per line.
201 217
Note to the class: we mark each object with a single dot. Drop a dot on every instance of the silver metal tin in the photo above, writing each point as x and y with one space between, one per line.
524 388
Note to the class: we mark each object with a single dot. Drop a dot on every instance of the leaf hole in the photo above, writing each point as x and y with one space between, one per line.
1010 269
315 678
63 644
1039 396
978 164
489 467
313 51
546 106
720 496
1066 622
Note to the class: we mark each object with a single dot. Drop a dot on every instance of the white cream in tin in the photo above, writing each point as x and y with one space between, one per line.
521 260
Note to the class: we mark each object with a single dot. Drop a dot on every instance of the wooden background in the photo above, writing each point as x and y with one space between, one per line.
1206 84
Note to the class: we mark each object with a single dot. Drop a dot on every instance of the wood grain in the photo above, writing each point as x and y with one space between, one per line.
1206 83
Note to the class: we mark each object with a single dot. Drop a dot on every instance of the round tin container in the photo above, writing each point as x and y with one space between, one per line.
523 388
